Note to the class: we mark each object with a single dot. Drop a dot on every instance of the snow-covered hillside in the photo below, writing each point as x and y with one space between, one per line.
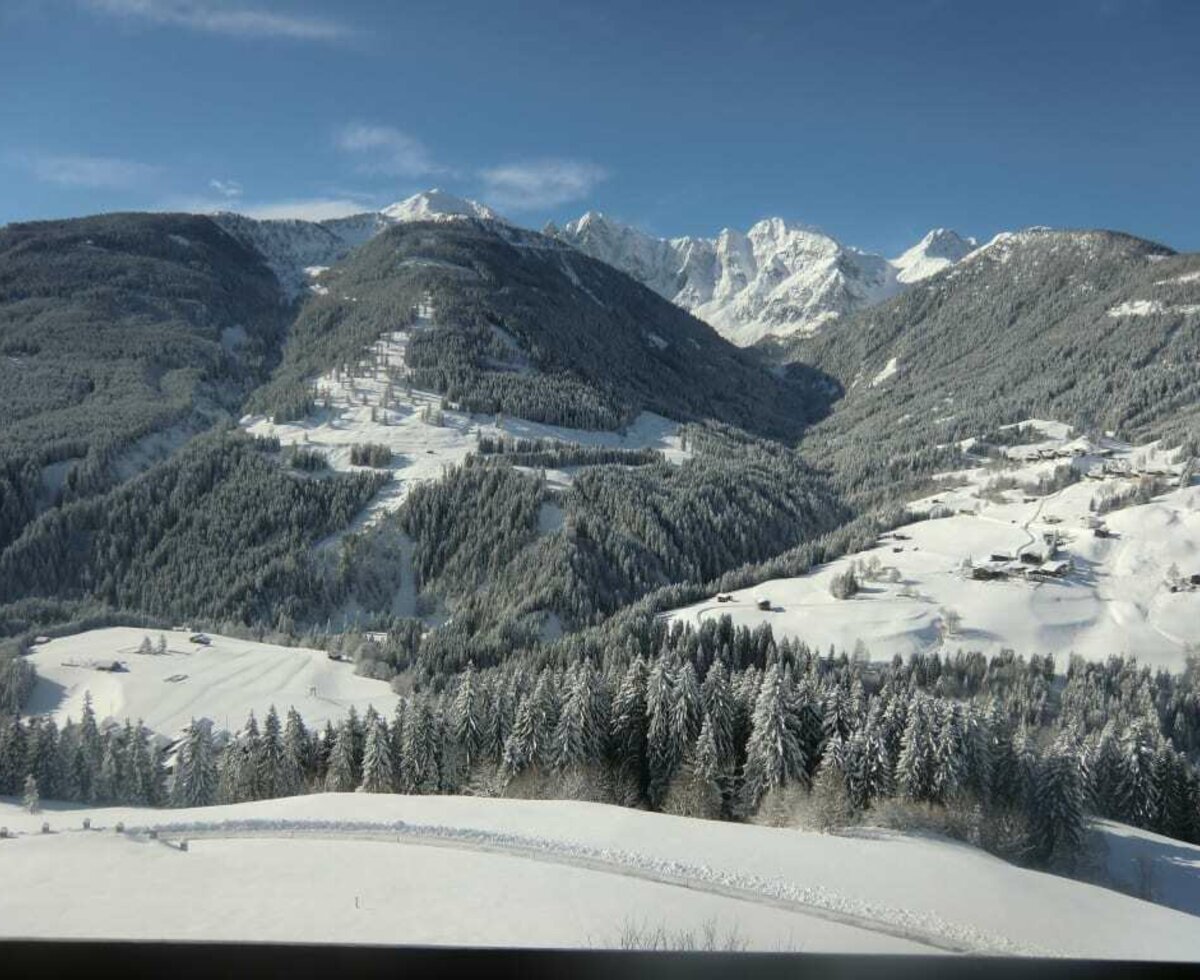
779 278
480 872
223 682
377 405
1120 583
290 247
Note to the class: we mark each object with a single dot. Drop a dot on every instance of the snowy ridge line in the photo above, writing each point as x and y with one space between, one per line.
922 927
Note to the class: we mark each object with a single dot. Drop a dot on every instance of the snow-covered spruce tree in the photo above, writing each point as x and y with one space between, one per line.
232 762
340 776
867 771
396 733
837 716
687 706
697 789
949 760
464 729
1138 793
497 722
294 760
31 799
195 781
269 761
1003 782
664 745
67 764
248 786
578 736
1058 809
803 703
422 748
718 705
774 756
743 688
110 780
528 750
377 760
915 767
43 759
829 805
628 729
358 741
91 751
1176 810
139 765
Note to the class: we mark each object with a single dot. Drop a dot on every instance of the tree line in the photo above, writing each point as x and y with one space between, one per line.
724 725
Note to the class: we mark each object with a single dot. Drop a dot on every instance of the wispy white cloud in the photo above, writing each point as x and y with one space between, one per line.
309 209
304 208
537 184
229 189
81 170
387 151
221 17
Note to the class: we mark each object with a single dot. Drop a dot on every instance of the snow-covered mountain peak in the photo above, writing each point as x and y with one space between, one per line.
290 246
779 277
437 205
933 253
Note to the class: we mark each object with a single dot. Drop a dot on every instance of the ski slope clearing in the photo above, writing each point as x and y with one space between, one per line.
375 404
458 870
223 682
1119 583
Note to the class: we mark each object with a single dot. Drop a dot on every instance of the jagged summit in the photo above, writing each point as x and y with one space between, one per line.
779 278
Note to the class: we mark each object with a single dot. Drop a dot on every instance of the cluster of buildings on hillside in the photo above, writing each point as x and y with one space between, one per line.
1029 563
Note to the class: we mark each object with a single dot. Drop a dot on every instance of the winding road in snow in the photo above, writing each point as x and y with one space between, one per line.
925 929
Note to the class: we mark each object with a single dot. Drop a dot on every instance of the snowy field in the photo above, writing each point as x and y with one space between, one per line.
1115 598
376 405
223 682
456 870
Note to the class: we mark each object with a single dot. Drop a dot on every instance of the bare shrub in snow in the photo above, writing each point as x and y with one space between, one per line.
708 938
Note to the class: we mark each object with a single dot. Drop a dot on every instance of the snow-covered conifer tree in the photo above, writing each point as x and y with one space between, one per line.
377 760
774 755
340 776
195 782
269 759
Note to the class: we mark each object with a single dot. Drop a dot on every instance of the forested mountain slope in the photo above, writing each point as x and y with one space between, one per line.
113 328
532 328
1097 329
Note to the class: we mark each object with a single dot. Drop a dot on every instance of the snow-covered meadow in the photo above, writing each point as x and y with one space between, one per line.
223 682
1115 598
487 872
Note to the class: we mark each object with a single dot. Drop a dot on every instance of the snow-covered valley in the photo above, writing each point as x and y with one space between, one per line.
1117 583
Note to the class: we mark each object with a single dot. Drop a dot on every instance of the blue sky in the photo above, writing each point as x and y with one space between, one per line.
873 119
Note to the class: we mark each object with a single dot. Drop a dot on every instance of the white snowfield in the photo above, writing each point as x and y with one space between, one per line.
223 682
1113 598
352 868
406 420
